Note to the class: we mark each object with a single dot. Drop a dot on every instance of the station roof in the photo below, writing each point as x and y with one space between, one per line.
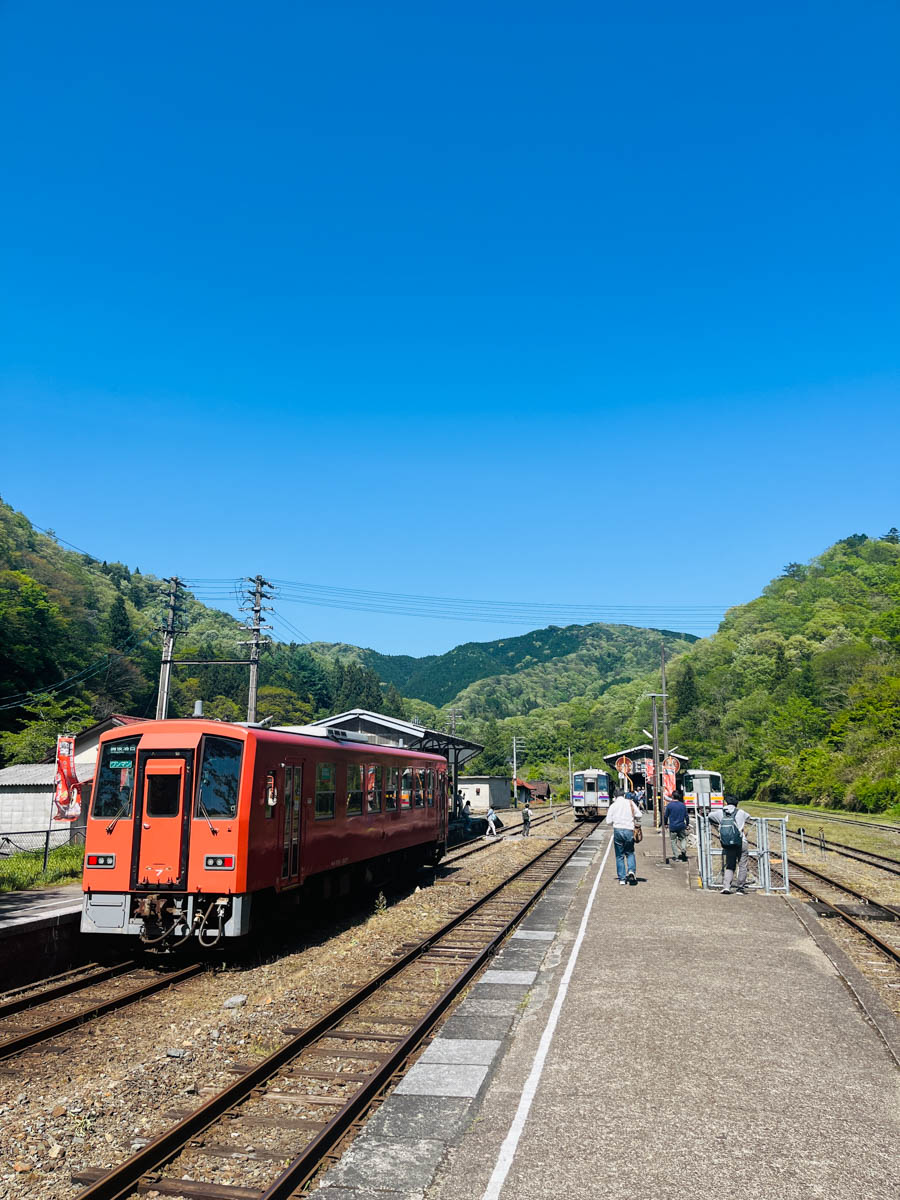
642 751
392 731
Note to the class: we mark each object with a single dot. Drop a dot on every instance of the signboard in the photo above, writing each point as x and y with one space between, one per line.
650 769
671 763
66 794
624 764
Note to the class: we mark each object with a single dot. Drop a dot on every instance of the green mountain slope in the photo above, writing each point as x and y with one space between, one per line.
795 698
538 668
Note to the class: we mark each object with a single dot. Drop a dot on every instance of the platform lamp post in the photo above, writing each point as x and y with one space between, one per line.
657 773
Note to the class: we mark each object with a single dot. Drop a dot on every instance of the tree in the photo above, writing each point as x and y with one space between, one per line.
44 719
892 535
686 692
794 570
392 705
118 626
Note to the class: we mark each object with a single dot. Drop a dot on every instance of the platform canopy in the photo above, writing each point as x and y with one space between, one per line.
391 731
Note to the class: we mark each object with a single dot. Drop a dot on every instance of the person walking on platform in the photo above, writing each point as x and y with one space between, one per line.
623 814
491 822
676 817
526 819
639 796
735 847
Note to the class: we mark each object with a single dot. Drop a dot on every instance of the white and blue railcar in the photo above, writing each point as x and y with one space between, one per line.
590 793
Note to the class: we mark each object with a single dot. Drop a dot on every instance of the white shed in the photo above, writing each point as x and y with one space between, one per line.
484 790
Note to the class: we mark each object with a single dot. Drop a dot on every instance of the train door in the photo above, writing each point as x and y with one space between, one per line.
292 807
162 819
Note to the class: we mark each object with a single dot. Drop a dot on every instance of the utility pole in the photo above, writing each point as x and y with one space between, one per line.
518 743
665 743
169 635
571 787
453 714
257 641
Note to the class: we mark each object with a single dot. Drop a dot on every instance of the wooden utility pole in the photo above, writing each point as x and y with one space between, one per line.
257 641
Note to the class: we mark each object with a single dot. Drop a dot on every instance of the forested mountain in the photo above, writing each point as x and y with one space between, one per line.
79 639
795 698
516 674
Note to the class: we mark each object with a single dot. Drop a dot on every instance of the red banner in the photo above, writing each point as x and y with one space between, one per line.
668 781
66 790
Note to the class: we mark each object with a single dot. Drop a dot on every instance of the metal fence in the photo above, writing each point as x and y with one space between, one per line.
768 862
39 841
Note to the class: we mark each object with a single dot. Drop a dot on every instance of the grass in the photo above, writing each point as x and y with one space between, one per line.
859 836
20 872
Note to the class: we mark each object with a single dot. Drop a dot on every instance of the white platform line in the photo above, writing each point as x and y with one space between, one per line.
511 1141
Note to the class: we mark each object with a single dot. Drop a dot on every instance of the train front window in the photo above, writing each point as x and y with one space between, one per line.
715 783
220 776
590 785
114 792
578 783
163 795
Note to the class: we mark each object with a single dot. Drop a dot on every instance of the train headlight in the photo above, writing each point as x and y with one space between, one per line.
219 862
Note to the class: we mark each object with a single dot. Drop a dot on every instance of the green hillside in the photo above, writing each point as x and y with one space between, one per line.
79 639
520 673
795 698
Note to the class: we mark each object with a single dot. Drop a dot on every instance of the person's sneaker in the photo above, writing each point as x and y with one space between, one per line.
727 892
623 882
632 878
684 858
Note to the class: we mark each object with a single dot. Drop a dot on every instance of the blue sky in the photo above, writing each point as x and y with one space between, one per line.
564 304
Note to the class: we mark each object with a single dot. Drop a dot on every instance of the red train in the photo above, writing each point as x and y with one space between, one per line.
199 828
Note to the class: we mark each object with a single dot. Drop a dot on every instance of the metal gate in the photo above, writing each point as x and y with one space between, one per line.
768 868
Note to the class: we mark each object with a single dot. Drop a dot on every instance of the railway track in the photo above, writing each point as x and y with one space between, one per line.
30 1020
812 815
290 1110
473 845
871 859
832 908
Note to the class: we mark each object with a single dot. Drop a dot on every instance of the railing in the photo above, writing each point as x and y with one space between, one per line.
39 841
768 854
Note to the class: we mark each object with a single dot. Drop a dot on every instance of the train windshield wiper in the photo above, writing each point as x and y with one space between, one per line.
202 807
126 804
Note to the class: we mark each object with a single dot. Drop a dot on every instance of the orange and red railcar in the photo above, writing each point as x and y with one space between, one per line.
198 828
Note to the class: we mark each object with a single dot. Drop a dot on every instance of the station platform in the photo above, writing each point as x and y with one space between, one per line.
646 1042
39 933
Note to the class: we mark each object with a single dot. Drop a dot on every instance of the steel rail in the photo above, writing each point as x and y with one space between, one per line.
121 1181
886 864
799 812
44 1033
8 1007
892 953
481 842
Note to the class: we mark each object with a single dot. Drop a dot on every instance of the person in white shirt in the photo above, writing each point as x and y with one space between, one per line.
491 822
623 814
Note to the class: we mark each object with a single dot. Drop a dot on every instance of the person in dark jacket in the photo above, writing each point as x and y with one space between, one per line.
676 817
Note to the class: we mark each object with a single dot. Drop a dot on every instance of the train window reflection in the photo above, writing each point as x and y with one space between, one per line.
354 790
374 787
578 783
325 788
163 795
217 793
406 788
391 787
115 779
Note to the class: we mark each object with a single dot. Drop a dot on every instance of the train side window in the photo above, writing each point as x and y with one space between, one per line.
354 790
374 787
220 774
406 786
326 774
419 787
391 787
115 779
429 788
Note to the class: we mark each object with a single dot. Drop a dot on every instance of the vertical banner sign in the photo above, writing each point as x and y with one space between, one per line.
66 795
669 770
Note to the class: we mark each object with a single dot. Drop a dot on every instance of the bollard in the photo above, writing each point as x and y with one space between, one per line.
46 850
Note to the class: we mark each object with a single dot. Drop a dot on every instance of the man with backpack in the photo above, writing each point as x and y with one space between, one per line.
676 817
735 847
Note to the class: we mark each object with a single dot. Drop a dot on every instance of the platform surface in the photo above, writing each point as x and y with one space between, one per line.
703 1046
38 905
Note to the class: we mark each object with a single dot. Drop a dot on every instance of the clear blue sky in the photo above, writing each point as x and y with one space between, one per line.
478 300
